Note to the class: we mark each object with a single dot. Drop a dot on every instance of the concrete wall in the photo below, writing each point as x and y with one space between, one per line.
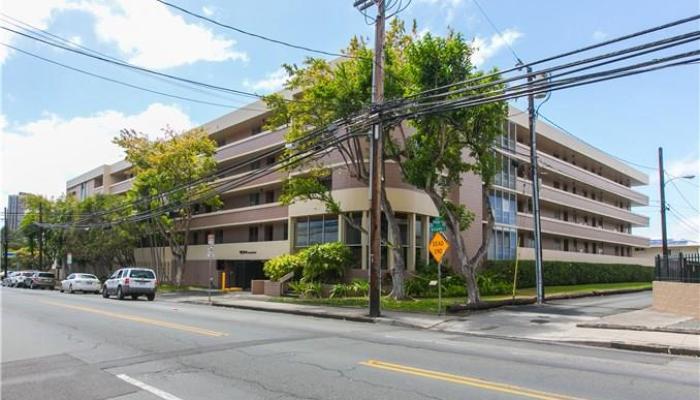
677 298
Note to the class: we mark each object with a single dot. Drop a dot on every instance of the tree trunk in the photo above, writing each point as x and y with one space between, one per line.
398 272
179 268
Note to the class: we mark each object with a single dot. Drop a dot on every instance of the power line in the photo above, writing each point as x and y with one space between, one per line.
135 67
53 37
498 32
252 34
118 82
684 198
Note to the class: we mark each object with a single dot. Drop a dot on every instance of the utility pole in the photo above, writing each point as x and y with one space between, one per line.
41 237
662 193
537 229
376 158
6 242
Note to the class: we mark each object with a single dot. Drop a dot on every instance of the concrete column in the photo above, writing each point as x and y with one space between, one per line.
411 259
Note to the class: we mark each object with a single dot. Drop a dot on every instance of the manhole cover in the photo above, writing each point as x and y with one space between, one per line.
540 321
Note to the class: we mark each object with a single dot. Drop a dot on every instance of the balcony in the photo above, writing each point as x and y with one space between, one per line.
567 199
560 167
121 187
240 216
570 229
250 144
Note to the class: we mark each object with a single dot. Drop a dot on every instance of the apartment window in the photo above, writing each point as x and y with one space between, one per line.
595 248
566 216
503 244
504 206
255 165
353 237
318 229
269 233
566 244
285 231
254 199
593 196
253 234
556 184
566 187
270 196
594 222
83 191
585 247
507 172
195 238
98 181
256 130
271 160
219 236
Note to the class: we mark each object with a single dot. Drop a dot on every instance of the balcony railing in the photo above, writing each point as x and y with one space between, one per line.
121 187
240 216
561 167
570 229
568 199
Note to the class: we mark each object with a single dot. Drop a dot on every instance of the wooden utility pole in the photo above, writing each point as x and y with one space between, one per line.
376 173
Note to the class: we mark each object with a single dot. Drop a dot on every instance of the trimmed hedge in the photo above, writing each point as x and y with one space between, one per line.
558 273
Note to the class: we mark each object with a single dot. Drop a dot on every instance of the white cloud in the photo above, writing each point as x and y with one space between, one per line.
36 12
599 36
448 6
40 156
208 11
76 40
689 165
272 82
484 49
153 37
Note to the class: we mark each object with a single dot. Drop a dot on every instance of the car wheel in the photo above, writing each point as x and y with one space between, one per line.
105 294
120 294
151 296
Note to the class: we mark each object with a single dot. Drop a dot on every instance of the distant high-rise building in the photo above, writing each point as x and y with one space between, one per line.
15 210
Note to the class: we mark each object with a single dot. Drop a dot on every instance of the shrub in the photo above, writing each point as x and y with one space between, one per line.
357 288
306 290
276 268
489 285
558 273
325 262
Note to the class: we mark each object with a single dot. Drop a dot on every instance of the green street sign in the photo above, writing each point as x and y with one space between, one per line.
437 225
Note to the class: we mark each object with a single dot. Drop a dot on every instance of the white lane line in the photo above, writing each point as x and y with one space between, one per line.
160 393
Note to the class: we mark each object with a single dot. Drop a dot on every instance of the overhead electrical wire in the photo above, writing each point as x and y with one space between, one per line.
122 83
694 208
59 39
135 67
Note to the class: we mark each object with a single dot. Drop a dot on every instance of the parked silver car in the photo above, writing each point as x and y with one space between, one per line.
20 278
40 280
132 282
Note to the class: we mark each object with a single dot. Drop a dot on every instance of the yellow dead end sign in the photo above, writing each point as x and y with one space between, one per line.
438 246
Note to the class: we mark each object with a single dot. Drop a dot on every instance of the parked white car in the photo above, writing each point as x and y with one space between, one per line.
81 283
132 282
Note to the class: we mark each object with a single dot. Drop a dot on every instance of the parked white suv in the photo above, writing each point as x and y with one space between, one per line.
132 282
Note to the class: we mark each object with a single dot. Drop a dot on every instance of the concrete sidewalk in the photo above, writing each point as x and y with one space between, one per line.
597 321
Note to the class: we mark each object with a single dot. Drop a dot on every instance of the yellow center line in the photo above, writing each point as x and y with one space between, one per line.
465 380
143 320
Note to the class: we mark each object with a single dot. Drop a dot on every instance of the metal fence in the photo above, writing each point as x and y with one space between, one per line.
678 268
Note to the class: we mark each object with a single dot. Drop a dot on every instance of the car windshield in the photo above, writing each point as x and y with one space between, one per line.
45 275
142 273
86 276
27 273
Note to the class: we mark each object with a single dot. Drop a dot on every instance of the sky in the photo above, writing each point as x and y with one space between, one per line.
56 123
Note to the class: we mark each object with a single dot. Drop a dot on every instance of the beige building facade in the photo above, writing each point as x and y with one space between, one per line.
587 200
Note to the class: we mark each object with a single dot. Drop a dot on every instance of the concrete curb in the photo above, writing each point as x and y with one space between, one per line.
288 311
639 328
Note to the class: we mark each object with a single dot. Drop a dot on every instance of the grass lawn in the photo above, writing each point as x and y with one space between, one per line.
430 305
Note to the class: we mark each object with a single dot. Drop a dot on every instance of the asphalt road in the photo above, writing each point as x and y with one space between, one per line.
60 346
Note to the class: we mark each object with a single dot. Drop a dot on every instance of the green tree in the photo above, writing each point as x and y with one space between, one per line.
434 158
168 173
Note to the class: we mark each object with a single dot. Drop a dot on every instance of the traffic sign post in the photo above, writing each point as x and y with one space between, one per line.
210 255
438 246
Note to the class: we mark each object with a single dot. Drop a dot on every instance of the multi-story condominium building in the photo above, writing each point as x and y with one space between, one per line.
15 210
586 200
